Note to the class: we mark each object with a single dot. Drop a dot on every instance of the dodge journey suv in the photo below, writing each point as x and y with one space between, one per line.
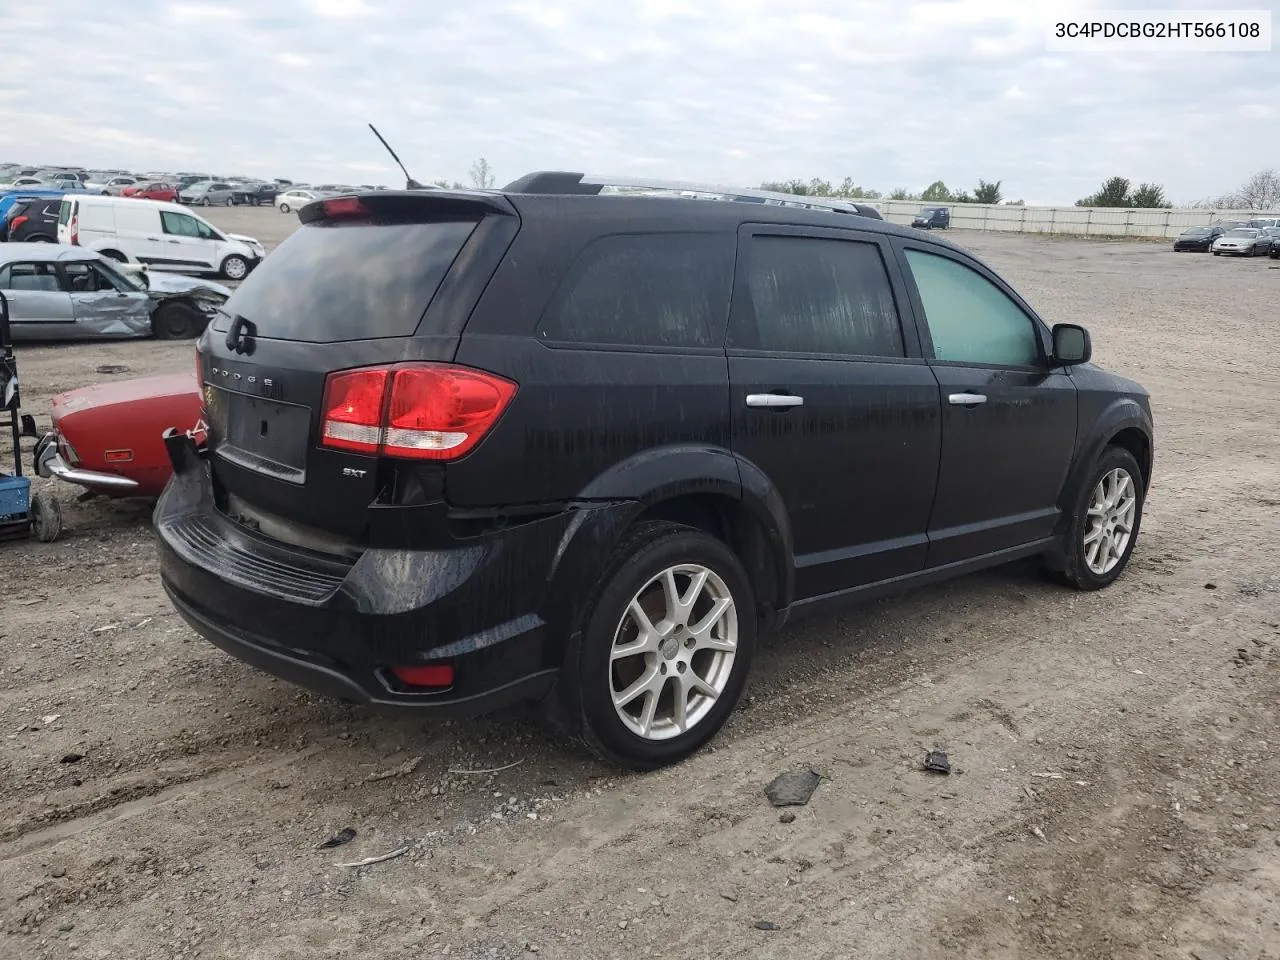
465 449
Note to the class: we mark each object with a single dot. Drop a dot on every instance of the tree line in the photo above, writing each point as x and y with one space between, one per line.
1259 192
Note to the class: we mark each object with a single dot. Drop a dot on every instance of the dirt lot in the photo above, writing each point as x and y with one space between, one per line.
1116 780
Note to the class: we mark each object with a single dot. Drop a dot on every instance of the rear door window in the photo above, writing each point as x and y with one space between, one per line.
329 282
32 277
656 290
819 296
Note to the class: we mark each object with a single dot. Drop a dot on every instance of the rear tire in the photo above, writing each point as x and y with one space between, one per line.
1092 555
177 321
677 577
284 208
115 255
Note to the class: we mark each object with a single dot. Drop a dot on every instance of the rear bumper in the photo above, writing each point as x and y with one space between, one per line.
337 625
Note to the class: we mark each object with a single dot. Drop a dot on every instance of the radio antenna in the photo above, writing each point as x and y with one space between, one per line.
410 183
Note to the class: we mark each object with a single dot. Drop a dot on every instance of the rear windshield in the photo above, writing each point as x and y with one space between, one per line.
64 212
330 282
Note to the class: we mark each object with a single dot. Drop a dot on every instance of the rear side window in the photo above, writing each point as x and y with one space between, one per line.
330 282
810 295
653 290
64 213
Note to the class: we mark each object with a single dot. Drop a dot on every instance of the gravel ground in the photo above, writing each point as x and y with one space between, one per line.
1115 776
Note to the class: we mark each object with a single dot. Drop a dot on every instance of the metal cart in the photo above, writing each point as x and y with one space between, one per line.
22 513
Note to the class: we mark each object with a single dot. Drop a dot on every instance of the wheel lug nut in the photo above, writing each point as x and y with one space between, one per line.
689 643
664 668
680 667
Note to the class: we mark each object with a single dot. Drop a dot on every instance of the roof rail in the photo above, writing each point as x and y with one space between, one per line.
582 184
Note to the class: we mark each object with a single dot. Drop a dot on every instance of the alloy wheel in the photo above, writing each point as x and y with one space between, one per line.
673 652
1112 510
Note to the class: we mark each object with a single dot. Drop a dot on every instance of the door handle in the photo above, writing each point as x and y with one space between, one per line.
774 400
966 399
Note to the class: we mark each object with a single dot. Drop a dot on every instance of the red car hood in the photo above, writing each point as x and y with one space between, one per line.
124 391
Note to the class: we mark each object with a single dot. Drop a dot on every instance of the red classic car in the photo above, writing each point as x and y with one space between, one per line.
152 191
108 438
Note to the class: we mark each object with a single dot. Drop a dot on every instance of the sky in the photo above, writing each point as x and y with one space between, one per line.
892 94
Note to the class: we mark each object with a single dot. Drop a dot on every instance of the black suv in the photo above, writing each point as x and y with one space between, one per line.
33 220
467 449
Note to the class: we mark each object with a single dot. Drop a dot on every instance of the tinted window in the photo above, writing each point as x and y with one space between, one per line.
330 282
820 296
661 290
970 319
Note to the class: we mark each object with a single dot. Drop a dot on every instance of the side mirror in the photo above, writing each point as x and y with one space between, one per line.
1071 344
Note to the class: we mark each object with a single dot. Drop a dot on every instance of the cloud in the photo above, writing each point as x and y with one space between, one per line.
738 91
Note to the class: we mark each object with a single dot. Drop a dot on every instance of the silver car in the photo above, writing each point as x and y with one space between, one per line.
207 193
58 292
1242 242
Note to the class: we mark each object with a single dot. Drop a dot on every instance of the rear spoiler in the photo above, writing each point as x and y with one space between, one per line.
408 206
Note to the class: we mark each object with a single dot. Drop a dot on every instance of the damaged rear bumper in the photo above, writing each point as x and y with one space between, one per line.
337 625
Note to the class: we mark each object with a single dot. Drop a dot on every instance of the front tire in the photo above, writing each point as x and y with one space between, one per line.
177 321
1105 524
666 648
234 267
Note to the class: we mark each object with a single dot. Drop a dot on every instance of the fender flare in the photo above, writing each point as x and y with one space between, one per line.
1123 414
611 502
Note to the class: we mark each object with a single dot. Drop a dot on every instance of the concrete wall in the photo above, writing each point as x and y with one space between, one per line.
1077 221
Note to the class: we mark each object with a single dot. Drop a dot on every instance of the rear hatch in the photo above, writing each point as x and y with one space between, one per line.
368 297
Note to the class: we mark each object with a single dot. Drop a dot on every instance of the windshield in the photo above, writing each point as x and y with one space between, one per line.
1243 234
1195 231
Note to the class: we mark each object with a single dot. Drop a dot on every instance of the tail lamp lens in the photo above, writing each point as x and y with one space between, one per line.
412 411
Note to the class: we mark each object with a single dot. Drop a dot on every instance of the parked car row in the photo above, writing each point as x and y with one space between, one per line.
1236 238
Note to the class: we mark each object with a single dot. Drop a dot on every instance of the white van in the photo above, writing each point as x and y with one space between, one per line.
165 236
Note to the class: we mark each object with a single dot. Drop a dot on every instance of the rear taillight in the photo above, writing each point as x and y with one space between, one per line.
416 411
16 222
75 229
